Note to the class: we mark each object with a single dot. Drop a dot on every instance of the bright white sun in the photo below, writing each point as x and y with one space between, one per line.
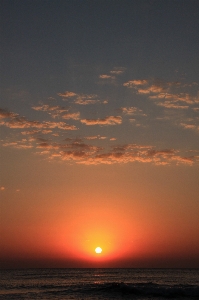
98 250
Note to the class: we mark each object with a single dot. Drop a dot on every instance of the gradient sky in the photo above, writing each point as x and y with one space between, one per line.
99 133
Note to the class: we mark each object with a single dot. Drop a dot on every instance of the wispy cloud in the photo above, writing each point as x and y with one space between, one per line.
132 111
76 150
23 123
111 76
15 121
83 101
95 137
135 83
30 132
54 111
147 154
89 99
169 104
151 89
49 108
110 120
67 94
190 126
173 101
87 154
179 97
18 145
171 96
74 116
105 76
118 70
6 114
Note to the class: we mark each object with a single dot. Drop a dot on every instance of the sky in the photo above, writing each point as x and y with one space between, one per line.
99 133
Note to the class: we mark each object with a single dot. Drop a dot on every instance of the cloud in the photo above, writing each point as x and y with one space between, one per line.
113 73
86 102
118 70
79 145
75 150
67 94
129 110
182 97
72 145
190 126
132 111
54 111
87 154
151 89
45 108
18 145
132 120
74 116
111 120
95 137
134 83
45 131
6 114
91 137
85 99
15 121
49 108
169 104
74 155
23 123
165 94
144 154
30 132
105 76
46 137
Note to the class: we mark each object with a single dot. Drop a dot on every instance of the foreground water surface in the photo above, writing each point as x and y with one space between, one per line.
96 284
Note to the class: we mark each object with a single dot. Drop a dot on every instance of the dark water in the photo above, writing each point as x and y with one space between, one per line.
99 284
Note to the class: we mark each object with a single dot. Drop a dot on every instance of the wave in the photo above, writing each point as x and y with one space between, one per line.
99 290
145 289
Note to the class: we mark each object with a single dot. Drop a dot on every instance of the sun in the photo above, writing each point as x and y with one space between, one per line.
98 250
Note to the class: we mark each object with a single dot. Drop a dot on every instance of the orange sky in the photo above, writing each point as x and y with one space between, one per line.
99 120
134 222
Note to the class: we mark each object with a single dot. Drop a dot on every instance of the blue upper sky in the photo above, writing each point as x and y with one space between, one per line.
135 61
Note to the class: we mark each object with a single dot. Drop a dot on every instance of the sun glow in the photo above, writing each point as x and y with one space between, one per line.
98 250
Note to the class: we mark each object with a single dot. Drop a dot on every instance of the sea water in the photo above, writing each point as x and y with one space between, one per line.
138 284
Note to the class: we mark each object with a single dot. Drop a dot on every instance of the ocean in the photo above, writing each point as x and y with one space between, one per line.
76 284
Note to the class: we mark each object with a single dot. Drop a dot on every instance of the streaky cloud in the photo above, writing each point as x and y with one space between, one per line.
67 94
110 120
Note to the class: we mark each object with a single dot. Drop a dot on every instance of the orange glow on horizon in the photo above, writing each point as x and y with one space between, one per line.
125 239
97 227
